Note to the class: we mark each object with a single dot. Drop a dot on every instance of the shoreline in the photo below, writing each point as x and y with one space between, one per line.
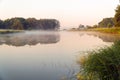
6 31
101 30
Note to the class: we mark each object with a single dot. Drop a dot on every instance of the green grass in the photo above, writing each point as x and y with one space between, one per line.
4 31
103 64
114 30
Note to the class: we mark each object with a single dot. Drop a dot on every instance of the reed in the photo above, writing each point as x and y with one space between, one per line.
103 64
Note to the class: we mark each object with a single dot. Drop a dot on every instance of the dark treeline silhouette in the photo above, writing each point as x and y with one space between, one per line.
106 22
19 23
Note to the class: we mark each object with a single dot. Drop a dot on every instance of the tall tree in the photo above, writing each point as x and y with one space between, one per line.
117 16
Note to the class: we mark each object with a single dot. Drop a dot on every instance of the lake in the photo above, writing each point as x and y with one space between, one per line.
40 55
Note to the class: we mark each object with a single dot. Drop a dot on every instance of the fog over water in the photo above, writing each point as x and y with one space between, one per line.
38 55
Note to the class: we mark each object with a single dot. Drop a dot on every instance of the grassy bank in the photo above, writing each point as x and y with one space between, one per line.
103 64
106 30
5 31
114 30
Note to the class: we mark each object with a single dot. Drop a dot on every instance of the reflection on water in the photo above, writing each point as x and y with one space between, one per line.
29 38
47 60
104 36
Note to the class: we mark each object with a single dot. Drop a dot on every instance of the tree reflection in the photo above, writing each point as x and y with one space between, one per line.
22 39
104 36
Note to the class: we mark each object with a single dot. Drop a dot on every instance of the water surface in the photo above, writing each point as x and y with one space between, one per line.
38 55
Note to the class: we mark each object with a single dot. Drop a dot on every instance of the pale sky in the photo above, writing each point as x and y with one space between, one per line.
70 13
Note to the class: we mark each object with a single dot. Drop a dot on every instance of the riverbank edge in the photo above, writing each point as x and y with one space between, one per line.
6 31
114 30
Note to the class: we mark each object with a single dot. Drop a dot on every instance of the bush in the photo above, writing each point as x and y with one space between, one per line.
103 64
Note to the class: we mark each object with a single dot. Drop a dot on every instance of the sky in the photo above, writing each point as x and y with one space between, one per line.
70 13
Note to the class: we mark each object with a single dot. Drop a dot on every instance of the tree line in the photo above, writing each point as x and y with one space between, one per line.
108 22
113 21
19 23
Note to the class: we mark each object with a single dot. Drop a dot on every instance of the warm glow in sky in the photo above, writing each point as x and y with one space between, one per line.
70 13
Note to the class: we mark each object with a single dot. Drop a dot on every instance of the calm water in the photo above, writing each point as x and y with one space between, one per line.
37 55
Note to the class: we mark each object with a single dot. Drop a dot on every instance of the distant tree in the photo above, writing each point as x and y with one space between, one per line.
106 22
95 26
49 24
88 26
29 24
23 22
117 16
1 24
32 23
17 25
8 23
81 26
109 25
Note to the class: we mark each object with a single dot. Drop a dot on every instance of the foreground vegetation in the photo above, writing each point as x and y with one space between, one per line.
103 64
